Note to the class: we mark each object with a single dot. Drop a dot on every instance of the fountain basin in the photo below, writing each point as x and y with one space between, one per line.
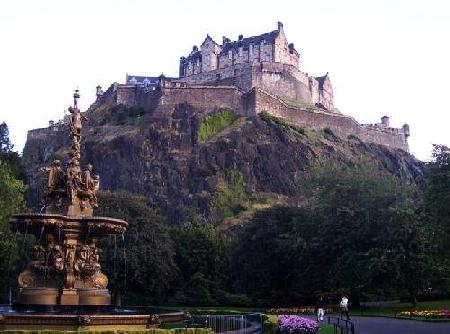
65 270
114 320
38 223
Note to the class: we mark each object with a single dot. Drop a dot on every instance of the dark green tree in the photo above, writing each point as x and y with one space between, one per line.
142 261
11 202
437 209
274 262
380 240
437 195
361 233
203 258
8 156
5 142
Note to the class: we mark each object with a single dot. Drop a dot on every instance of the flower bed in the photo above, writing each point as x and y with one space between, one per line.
428 314
293 324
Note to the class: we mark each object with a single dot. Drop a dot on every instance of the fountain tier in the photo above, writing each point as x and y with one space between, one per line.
65 268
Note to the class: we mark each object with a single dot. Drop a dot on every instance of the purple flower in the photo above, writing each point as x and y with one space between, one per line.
293 324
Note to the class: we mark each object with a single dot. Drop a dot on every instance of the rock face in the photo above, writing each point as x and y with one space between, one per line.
139 151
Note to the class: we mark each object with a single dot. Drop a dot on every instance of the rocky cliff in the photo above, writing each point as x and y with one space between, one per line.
187 164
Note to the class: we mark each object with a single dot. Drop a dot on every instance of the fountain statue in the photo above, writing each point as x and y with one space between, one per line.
63 286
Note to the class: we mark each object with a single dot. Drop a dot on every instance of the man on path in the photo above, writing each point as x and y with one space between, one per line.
319 310
344 306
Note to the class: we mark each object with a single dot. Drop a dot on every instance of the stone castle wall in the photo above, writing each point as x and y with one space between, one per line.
210 98
283 80
206 98
341 125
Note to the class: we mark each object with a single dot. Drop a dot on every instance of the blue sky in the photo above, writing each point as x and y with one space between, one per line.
384 57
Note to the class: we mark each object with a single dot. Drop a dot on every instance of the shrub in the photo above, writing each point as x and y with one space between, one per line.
230 197
121 113
330 135
215 123
270 324
267 117
427 314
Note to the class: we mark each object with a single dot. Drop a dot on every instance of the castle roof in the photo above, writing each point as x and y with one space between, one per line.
228 45
144 80
208 38
245 42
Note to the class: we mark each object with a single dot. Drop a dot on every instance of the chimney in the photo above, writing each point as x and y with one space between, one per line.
280 26
98 91
225 40
240 38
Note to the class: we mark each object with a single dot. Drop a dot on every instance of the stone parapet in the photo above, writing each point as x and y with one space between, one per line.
341 125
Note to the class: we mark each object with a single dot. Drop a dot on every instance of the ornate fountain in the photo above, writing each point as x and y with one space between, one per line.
64 277
65 268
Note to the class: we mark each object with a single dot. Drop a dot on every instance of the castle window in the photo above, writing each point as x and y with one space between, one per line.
230 55
250 49
235 72
240 51
218 76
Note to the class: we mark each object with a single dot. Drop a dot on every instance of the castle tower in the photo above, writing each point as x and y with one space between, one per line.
385 121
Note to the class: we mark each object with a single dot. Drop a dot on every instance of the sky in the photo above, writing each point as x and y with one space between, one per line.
384 57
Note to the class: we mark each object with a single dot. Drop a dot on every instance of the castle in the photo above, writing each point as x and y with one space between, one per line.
251 75
267 61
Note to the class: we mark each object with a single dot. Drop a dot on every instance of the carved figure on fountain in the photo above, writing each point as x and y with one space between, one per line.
72 193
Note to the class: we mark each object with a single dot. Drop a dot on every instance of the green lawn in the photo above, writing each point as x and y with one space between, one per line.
394 310
326 329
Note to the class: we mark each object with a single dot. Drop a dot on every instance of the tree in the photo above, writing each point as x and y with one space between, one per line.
203 258
437 195
5 142
377 230
11 202
274 262
359 233
437 208
141 261
7 155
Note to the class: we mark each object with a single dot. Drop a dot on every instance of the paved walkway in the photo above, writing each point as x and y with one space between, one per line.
379 325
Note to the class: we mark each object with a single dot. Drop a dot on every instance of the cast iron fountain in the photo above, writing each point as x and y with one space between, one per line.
63 285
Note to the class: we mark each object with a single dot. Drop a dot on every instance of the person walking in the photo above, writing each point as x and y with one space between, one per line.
319 310
344 306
